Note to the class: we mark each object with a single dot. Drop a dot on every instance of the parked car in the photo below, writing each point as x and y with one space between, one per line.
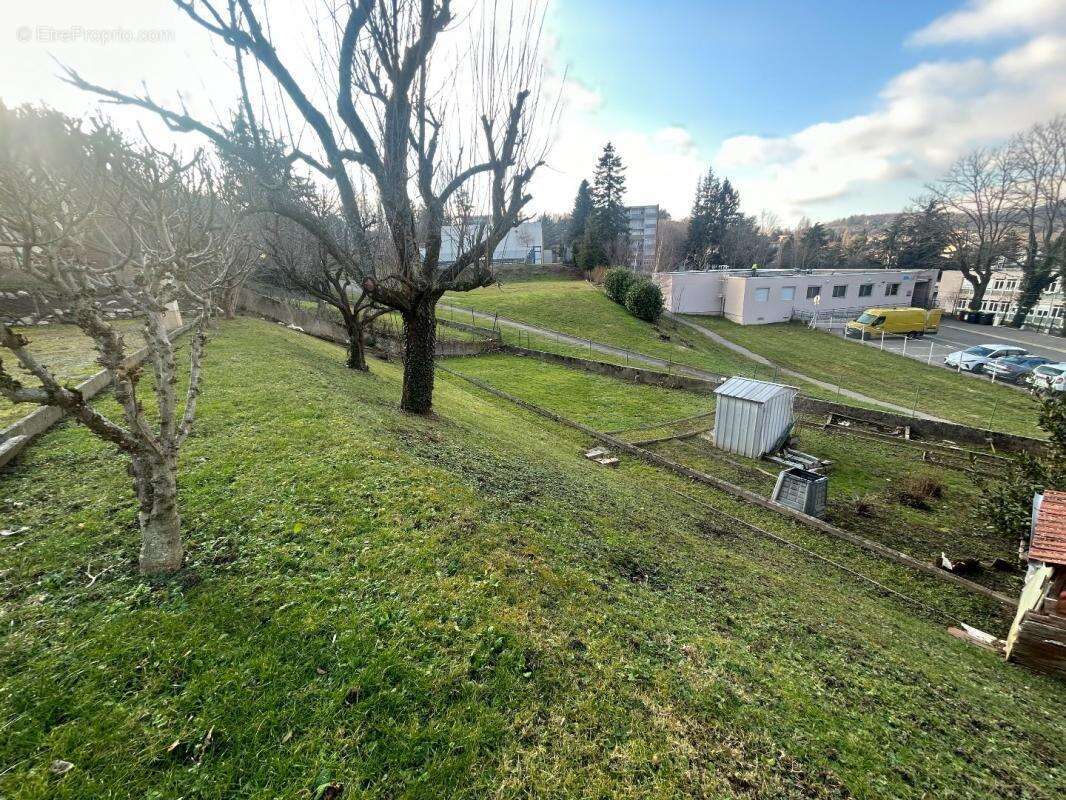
914 322
1048 377
973 359
1013 368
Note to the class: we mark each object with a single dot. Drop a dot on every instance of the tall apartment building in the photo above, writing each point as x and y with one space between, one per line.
1001 298
643 236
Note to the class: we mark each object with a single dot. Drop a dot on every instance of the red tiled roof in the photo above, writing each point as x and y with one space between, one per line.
1049 535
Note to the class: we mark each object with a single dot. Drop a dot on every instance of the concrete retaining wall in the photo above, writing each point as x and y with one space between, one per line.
920 428
523 272
649 377
15 438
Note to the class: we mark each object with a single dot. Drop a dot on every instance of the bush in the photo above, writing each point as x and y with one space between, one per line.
616 283
917 491
644 300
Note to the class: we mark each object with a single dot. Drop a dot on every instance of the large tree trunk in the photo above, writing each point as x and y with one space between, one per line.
1029 297
160 523
229 302
979 284
356 349
420 338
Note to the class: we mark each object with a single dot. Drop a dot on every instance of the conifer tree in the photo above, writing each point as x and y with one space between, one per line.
610 232
579 219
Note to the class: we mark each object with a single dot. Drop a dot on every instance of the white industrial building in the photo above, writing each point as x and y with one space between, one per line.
523 244
762 296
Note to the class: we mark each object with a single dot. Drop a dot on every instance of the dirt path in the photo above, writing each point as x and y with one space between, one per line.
736 348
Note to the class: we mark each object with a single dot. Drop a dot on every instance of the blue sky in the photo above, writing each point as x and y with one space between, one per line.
816 109
725 68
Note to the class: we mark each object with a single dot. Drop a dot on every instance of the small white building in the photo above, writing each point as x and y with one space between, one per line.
523 244
761 296
752 418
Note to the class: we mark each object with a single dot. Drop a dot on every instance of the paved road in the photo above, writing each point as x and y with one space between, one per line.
673 366
955 335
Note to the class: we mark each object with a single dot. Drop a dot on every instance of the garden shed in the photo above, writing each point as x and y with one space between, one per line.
753 418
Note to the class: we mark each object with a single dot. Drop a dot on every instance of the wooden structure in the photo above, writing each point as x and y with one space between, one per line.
1037 638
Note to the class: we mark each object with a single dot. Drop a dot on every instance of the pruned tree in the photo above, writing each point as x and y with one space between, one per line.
1038 158
396 127
128 223
978 189
299 262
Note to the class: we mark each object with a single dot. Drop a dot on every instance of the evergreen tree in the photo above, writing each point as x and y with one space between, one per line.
715 213
610 232
579 220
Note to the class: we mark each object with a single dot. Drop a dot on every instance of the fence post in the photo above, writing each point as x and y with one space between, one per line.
992 416
914 409
930 359
905 344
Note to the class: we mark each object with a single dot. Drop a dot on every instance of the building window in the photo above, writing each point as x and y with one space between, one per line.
788 292
762 295
813 292
840 291
891 289
866 290
997 285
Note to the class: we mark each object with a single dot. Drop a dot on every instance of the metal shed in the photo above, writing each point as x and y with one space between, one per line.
752 418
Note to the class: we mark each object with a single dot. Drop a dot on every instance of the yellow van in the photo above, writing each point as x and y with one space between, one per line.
914 322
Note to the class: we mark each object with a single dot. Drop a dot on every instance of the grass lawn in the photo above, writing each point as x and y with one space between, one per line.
864 470
883 375
581 309
67 351
595 400
462 606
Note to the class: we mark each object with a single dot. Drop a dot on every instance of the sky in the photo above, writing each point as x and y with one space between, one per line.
814 109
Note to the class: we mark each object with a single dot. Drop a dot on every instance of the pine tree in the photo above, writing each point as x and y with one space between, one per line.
715 212
579 220
611 229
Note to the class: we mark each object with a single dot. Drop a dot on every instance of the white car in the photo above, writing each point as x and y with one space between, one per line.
1048 377
973 359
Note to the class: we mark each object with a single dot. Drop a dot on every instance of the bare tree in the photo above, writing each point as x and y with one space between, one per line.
299 262
397 125
1038 157
978 189
120 223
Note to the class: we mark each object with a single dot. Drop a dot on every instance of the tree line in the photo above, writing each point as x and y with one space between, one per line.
995 207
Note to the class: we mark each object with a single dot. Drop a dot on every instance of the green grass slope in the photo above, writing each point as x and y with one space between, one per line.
884 375
66 351
462 606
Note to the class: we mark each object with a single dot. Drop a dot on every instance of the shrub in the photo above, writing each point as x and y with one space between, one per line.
916 492
616 283
644 300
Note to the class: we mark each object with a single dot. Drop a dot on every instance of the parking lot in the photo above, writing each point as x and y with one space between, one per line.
955 335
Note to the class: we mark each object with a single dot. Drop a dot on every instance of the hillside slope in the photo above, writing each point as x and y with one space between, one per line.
463 606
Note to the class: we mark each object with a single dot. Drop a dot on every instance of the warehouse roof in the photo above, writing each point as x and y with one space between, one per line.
1049 532
753 390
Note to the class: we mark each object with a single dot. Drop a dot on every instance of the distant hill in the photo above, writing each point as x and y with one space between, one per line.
861 223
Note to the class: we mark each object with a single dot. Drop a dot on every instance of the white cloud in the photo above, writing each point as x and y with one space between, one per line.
989 19
926 117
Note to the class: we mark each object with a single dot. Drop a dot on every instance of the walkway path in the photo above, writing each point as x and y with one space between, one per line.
680 369
736 348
